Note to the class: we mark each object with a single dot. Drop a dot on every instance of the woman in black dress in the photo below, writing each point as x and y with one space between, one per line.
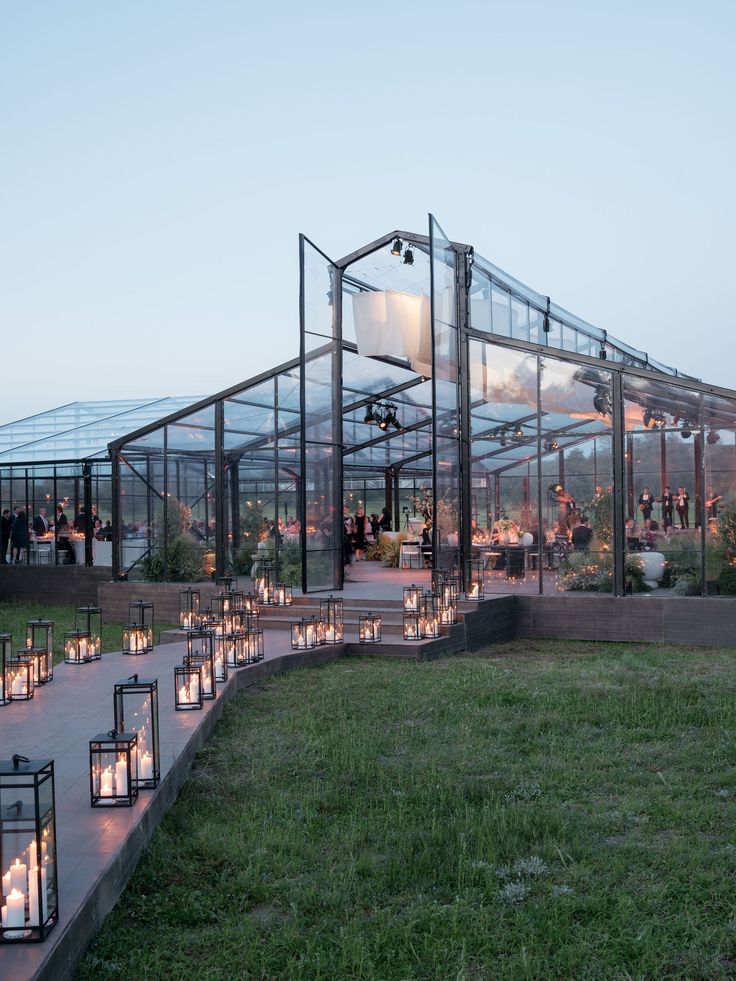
361 534
19 537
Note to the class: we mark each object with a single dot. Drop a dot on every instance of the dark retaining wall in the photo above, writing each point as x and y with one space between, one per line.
73 585
689 620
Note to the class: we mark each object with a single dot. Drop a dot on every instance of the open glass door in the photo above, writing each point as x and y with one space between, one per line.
446 441
321 420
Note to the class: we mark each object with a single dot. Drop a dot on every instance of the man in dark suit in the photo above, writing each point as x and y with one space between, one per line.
40 523
682 503
581 536
646 503
5 522
668 504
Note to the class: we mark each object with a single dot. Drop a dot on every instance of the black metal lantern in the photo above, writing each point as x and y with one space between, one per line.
40 663
19 680
265 585
331 611
234 648
89 618
226 582
137 639
303 634
222 604
40 635
215 624
6 653
77 647
254 644
448 608
189 608
142 614
207 672
250 602
136 710
27 850
412 625
220 659
474 585
187 687
369 628
282 595
113 769
412 598
431 615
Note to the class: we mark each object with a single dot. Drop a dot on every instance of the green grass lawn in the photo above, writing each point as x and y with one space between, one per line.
552 810
14 616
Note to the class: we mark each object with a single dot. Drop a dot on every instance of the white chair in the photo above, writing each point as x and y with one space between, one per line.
410 556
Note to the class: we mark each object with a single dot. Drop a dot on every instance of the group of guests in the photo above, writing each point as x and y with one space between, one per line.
16 534
670 502
359 530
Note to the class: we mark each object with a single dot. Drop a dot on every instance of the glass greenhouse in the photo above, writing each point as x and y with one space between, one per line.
499 432
433 384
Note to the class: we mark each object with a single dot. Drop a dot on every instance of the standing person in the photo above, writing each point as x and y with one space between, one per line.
646 503
40 523
348 536
361 536
711 504
63 541
6 523
384 522
682 503
19 537
668 503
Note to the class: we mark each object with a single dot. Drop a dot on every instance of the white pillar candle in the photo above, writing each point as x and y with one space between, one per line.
32 854
18 687
33 905
106 782
121 778
183 695
4 916
194 689
18 876
16 910
146 767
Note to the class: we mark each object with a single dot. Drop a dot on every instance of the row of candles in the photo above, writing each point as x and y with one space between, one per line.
31 667
425 611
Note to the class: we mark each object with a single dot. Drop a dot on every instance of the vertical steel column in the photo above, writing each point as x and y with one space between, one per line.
540 523
87 479
662 461
388 490
463 276
234 472
337 433
56 523
700 492
117 536
302 420
630 511
619 499
165 508
220 529
276 498
397 499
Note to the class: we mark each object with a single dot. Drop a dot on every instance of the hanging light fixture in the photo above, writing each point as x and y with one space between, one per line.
408 256
602 400
712 438
396 247
369 418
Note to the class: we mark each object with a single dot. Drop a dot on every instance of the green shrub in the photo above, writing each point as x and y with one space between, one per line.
727 580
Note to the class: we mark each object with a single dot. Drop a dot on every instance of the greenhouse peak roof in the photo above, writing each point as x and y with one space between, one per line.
81 430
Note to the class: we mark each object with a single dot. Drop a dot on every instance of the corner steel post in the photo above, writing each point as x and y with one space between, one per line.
540 522
619 498
220 530
87 480
463 266
302 420
337 435
165 508
117 537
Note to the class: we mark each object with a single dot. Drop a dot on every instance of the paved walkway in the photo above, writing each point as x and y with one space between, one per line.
58 724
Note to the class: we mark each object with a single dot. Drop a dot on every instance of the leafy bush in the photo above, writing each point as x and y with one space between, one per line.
591 573
727 580
289 564
188 560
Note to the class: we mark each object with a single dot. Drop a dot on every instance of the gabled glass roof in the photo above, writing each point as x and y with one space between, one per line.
81 430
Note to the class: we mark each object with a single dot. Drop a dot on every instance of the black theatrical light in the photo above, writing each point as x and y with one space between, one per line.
408 257
396 247
686 432
603 354
369 418
646 417
602 400
550 445
383 423
519 432
712 437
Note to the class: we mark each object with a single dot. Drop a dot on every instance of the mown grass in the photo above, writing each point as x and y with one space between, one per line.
15 616
547 811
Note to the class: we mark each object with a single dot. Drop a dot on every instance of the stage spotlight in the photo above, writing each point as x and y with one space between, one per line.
408 257
519 432
712 437
396 247
602 400
369 417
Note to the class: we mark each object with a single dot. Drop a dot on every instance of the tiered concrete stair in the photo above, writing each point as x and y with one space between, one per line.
478 620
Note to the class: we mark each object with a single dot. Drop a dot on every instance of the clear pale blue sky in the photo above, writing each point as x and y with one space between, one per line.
158 159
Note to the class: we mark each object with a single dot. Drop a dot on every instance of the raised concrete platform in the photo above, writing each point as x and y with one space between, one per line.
97 848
